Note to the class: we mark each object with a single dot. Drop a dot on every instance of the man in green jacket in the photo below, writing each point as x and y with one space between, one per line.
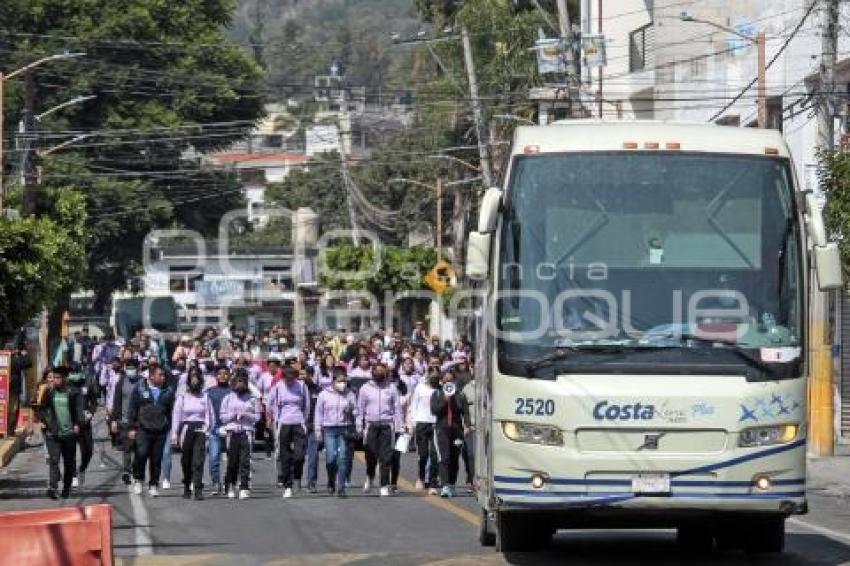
62 413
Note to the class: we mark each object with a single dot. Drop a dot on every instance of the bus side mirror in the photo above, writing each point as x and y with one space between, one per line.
825 254
478 255
828 266
489 215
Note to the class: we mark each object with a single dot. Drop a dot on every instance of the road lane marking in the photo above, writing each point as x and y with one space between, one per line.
141 531
837 536
436 501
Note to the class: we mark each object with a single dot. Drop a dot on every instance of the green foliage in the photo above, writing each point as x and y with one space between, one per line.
39 259
834 177
155 66
394 269
303 38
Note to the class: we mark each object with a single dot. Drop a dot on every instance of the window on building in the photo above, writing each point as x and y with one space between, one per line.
774 113
640 46
177 284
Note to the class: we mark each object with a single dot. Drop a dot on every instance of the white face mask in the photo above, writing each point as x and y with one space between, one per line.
339 386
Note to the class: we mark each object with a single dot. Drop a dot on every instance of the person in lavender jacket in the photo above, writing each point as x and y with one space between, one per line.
289 403
336 410
379 415
190 425
240 411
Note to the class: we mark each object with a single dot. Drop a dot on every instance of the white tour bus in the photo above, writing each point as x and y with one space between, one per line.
642 347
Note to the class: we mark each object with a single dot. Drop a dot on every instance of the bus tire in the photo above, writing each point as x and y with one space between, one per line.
486 535
695 539
767 535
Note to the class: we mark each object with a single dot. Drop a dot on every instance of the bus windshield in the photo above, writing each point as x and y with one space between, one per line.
646 249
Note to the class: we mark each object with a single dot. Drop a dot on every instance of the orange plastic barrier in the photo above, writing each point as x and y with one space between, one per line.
68 536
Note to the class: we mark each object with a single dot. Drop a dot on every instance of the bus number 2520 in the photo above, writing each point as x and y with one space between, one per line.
537 407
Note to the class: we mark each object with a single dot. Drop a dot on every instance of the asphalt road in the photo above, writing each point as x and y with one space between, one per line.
408 529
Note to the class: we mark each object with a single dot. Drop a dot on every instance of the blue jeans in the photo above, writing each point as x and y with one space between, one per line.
312 457
214 455
337 454
166 459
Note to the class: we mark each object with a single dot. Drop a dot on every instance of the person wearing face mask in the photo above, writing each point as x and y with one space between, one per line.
190 424
240 412
420 423
151 406
215 396
119 416
289 402
333 423
447 409
379 415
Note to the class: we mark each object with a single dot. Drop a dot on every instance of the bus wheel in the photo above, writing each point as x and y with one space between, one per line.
486 536
695 539
766 535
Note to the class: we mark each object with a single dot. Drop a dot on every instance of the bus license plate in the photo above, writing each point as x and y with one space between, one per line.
651 483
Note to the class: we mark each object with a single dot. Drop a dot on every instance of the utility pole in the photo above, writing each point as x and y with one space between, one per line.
761 47
573 76
439 191
821 409
483 153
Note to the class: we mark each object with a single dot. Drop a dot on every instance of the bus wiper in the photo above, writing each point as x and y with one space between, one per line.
730 346
564 352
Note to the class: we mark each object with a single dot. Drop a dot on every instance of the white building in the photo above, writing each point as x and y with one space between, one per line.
663 67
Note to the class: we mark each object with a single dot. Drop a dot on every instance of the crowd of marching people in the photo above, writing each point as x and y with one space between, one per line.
217 397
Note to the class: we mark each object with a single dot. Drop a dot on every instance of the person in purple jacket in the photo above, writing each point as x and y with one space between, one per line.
240 411
336 409
379 415
289 403
190 425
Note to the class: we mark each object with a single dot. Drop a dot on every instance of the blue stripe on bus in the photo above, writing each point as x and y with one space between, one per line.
628 482
700 469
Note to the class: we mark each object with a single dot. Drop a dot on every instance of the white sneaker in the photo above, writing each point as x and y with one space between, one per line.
75 482
385 491
137 488
287 493
367 487
420 484
153 491
231 494
166 484
244 494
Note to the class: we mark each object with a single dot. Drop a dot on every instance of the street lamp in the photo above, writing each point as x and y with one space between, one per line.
759 40
67 103
63 145
456 160
13 74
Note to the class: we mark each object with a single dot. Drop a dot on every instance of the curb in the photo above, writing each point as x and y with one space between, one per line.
10 446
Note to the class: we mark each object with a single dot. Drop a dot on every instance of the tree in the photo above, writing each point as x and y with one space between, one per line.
166 78
40 259
401 269
834 178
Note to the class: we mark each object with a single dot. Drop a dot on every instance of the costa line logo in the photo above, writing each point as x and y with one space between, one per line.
607 411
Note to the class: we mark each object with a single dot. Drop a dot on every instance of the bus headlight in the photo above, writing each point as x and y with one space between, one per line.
767 435
533 433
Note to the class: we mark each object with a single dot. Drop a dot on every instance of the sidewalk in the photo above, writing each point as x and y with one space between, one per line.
830 475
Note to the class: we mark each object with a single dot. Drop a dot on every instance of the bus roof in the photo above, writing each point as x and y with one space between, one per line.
638 135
